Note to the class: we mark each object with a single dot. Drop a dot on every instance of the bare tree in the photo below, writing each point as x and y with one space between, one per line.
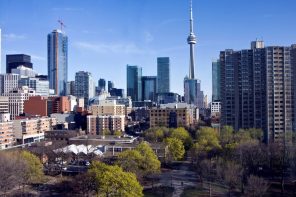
257 186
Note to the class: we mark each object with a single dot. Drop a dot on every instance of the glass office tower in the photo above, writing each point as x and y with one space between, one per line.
57 57
134 82
163 74
149 88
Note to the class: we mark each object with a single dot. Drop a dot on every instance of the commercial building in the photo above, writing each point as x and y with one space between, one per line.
4 104
16 60
41 87
97 125
8 82
57 56
117 92
134 82
257 90
174 115
84 86
149 88
16 100
24 71
163 74
102 85
70 88
168 97
110 85
216 74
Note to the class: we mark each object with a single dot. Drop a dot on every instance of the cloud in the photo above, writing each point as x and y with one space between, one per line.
13 36
148 37
124 48
68 9
38 58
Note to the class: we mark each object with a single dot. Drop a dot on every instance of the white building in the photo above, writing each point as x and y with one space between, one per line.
8 82
17 98
215 108
4 103
24 71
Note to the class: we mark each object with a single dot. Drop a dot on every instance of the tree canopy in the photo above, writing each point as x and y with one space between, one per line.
113 181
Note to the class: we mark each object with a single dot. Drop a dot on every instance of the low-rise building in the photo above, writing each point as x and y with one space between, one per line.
32 130
174 115
98 124
7 138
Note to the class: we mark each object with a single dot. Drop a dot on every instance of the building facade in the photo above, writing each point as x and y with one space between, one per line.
134 82
57 57
16 60
257 90
149 88
97 125
216 81
163 74
84 86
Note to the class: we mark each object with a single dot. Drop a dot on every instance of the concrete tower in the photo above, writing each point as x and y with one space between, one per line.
191 40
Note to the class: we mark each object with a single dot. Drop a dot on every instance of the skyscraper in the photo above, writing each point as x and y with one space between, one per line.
192 92
110 85
134 82
215 81
149 88
102 85
57 57
163 74
257 90
16 60
84 86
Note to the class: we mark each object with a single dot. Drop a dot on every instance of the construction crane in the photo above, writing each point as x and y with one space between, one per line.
62 24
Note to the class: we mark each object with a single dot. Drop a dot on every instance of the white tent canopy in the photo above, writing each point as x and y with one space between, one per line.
80 149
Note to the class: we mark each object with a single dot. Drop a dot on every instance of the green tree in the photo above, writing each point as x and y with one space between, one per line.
113 181
131 161
149 163
33 172
118 133
175 149
226 135
207 140
183 135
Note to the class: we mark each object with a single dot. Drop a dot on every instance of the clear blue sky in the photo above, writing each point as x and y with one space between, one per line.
105 35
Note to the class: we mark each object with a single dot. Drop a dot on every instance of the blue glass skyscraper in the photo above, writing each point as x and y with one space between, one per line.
57 59
163 74
134 82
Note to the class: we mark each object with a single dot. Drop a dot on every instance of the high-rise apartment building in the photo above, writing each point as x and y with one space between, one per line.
216 81
84 86
57 57
257 89
16 60
149 88
163 74
8 82
134 82
4 103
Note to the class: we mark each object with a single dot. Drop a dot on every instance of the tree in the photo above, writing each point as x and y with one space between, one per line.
207 143
257 185
226 135
118 133
176 149
183 135
33 172
230 173
113 181
131 161
149 163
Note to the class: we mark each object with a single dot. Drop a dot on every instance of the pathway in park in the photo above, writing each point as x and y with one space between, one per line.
179 179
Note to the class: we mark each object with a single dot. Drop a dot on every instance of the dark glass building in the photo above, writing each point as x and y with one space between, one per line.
163 74
134 82
149 88
102 85
110 85
15 60
116 92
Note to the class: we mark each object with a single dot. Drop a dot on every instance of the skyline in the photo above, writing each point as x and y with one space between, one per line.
139 32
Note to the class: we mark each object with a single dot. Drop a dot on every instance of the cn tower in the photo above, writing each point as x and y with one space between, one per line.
191 40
